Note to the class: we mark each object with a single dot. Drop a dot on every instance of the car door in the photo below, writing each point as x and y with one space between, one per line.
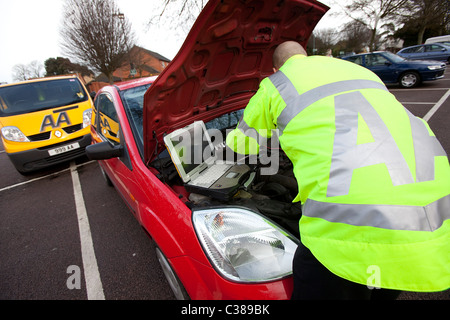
436 52
381 66
414 53
108 128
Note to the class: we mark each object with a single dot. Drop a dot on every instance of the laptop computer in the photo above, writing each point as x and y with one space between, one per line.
194 157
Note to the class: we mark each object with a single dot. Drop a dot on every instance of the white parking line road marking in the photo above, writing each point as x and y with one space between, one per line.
436 106
417 89
94 285
416 103
43 177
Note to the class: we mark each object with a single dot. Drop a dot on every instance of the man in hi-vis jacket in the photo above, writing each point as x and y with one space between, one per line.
373 179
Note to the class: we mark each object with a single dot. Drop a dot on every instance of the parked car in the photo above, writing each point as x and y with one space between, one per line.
392 68
432 51
44 121
209 248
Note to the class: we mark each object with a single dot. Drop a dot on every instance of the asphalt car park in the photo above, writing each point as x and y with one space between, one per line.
51 251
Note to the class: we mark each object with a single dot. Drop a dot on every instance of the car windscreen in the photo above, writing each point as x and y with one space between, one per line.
393 57
42 95
133 102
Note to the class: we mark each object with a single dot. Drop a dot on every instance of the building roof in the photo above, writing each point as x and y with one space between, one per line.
154 54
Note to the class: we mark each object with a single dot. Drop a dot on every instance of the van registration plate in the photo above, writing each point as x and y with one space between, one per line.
63 149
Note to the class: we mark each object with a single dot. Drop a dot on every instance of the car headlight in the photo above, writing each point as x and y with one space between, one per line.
87 114
14 134
435 67
243 245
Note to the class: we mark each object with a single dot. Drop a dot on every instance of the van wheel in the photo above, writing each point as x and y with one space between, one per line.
175 284
409 79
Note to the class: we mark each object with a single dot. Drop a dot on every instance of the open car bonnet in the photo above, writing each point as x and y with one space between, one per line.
222 61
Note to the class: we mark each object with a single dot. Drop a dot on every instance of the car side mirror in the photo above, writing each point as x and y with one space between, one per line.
103 150
387 63
93 94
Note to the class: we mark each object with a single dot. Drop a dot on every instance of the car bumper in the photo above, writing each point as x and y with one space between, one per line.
435 75
35 159
204 283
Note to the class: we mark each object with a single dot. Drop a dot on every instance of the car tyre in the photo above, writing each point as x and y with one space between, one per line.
175 284
409 79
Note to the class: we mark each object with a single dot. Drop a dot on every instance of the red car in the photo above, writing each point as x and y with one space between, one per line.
230 241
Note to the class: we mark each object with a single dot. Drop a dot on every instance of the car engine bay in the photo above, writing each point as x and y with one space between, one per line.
269 195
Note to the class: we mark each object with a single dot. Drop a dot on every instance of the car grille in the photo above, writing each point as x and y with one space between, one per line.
39 136
46 135
74 128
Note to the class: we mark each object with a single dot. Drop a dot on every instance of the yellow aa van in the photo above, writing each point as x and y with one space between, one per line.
45 121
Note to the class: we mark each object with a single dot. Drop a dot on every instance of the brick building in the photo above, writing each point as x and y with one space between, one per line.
138 63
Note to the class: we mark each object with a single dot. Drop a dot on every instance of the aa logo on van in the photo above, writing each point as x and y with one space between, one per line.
55 122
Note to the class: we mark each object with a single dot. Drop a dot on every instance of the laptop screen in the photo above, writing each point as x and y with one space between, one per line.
188 148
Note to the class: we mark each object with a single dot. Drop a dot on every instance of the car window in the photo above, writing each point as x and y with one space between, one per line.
433 48
373 60
357 60
107 121
417 49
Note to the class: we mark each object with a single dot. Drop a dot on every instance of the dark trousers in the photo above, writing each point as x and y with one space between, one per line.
312 281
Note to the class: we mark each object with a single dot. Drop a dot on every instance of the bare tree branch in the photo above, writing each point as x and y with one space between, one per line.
177 15
371 13
95 33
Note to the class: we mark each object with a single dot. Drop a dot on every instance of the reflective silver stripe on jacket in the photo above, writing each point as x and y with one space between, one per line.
249 131
296 103
394 217
426 147
349 156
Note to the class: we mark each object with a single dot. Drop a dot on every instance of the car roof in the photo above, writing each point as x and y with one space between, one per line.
425 44
362 54
135 83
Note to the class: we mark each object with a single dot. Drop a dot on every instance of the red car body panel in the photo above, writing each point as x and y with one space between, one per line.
224 58
218 69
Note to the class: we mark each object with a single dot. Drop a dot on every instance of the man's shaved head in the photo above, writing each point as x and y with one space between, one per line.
286 50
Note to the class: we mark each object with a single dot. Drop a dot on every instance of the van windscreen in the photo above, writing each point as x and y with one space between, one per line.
41 95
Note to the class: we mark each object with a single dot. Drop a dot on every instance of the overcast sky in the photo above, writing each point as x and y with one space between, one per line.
29 30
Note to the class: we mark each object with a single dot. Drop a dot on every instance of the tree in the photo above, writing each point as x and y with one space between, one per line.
35 69
22 72
422 16
96 34
60 66
321 41
178 15
356 36
371 13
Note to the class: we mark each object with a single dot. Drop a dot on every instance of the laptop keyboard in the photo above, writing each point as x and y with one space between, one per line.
210 175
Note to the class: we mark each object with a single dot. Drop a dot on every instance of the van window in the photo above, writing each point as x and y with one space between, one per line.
42 95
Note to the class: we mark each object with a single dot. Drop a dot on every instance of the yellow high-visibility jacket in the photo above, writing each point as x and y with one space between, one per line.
373 179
